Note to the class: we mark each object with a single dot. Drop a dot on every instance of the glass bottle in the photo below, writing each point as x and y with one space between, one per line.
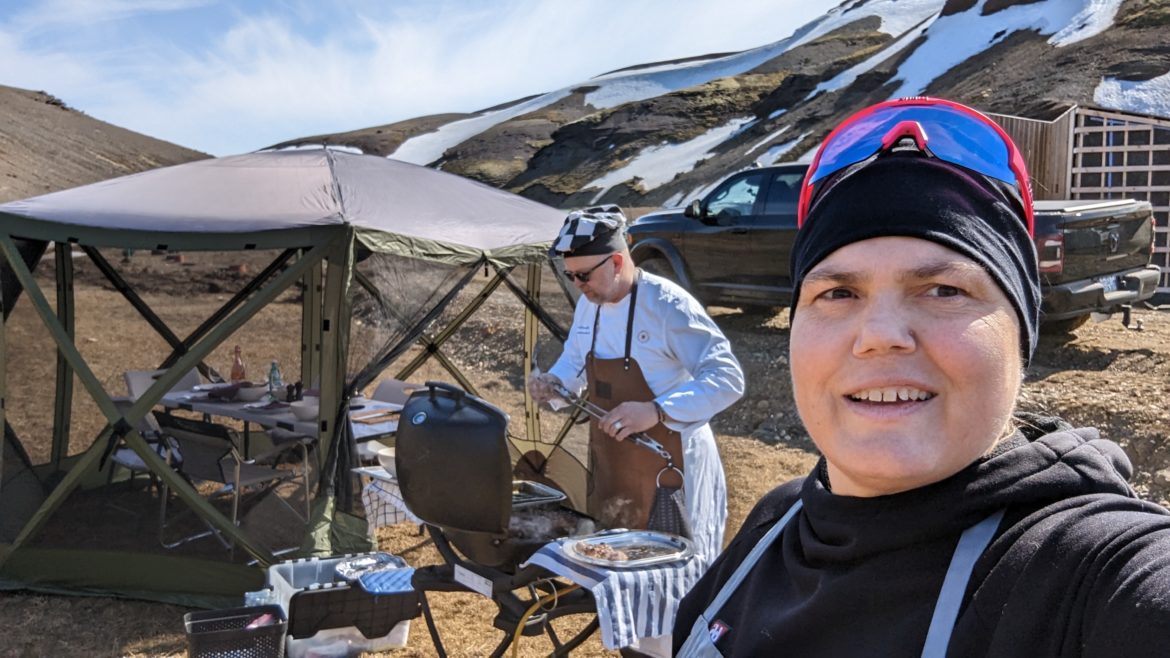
239 373
274 380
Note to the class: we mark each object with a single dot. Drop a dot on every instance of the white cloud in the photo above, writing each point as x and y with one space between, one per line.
48 14
230 77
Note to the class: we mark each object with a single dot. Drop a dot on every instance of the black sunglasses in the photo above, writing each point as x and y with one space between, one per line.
583 277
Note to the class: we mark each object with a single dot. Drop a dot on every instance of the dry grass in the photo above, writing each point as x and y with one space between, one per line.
1106 376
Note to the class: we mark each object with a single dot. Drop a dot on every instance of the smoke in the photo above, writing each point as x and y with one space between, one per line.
618 513
544 524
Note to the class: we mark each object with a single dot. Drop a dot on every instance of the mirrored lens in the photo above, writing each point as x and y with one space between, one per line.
583 277
952 135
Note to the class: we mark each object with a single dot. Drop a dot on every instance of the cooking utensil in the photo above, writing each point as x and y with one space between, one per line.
597 412
668 512
376 416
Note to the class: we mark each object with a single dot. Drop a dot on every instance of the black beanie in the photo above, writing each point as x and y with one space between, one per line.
907 194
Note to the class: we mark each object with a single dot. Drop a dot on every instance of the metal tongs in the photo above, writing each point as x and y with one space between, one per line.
639 438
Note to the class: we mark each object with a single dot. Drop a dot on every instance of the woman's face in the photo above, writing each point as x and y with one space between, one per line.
905 363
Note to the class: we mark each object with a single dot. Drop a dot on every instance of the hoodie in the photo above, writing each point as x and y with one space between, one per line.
1079 566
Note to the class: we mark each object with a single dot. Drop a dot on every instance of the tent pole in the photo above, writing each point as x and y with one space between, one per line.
63 400
127 291
311 353
534 307
142 405
333 332
431 345
450 367
4 382
531 410
225 310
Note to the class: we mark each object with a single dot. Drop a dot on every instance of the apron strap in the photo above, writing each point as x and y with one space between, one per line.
629 325
744 567
630 321
971 545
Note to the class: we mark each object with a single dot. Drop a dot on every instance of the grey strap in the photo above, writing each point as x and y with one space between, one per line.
698 643
744 567
946 610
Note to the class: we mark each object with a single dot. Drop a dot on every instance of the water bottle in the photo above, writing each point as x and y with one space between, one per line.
274 380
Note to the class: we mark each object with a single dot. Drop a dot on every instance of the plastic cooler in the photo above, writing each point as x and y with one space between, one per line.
255 632
317 599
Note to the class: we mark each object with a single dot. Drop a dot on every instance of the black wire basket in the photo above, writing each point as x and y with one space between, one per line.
236 633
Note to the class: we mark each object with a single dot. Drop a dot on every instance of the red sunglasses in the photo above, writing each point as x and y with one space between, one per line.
941 129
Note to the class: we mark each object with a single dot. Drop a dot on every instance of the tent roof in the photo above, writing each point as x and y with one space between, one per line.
388 203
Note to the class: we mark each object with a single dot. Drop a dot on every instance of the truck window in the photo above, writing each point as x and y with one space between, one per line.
735 197
783 194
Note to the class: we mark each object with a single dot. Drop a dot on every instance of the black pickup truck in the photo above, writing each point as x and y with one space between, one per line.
732 247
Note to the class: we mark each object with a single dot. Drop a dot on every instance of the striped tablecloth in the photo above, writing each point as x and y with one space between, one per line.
631 603
383 503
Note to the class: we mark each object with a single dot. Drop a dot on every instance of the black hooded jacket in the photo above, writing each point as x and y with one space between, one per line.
1078 567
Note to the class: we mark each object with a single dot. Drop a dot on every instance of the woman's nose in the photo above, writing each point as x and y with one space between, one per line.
884 327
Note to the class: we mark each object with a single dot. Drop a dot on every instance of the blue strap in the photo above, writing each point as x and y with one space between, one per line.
946 610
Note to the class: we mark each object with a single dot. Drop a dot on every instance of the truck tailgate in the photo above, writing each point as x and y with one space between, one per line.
1098 237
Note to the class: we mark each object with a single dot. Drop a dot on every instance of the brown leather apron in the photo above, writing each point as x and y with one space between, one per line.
625 475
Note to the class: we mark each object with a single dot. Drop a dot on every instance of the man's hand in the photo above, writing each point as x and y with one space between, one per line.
540 386
629 418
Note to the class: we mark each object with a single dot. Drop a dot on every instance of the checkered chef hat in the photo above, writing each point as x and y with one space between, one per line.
591 231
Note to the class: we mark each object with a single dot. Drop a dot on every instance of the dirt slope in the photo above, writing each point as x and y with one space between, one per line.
46 146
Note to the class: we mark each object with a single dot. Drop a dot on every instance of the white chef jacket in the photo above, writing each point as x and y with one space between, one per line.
688 364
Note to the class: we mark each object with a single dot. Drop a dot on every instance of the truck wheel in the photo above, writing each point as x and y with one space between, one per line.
1065 326
660 267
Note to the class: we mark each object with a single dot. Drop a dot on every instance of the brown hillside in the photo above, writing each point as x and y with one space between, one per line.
46 146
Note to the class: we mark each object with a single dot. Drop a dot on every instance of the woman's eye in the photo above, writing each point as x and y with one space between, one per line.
837 293
945 291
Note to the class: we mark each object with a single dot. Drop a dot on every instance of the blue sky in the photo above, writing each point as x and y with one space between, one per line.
228 76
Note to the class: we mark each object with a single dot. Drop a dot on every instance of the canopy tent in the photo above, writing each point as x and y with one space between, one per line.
399 242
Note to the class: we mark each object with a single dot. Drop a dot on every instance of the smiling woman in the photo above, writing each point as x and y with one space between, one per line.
937 522
903 374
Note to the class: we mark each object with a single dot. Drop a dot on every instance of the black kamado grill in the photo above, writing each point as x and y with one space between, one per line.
455 473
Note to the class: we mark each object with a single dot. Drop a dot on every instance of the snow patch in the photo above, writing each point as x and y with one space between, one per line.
774 153
658 165
428 147
954 39
1147 96
767 139
1093 19
897 16
848 76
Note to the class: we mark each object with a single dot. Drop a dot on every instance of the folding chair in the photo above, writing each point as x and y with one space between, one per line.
395 390
388 390
210 454
125 456
137 381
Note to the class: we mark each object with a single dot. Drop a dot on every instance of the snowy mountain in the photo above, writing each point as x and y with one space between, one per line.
658 134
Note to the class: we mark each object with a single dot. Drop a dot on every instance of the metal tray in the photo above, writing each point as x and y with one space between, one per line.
659 547
353 568
526 493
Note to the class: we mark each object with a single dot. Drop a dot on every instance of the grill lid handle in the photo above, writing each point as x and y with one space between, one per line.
454 390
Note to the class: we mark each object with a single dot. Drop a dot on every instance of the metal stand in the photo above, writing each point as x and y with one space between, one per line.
512 609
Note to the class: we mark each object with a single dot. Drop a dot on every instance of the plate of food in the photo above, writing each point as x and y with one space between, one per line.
627 549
